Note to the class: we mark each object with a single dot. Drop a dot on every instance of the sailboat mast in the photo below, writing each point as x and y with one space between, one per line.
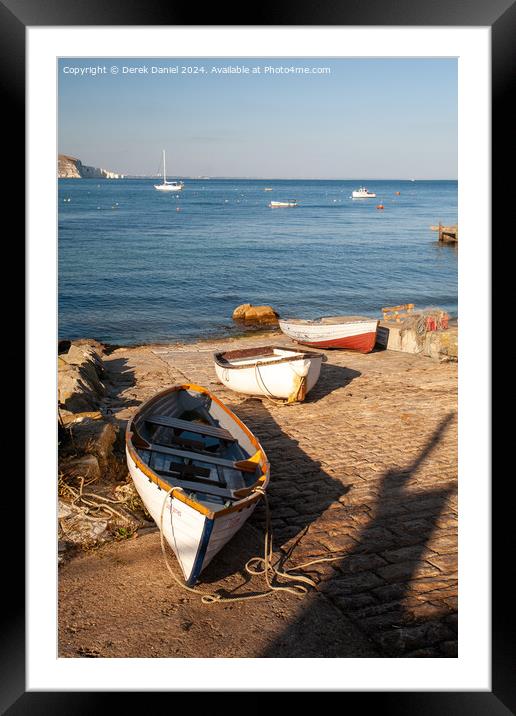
164 169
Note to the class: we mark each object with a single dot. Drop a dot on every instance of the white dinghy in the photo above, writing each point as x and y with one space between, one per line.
270 371
187 439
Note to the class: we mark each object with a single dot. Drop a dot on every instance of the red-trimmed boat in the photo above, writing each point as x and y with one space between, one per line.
355 333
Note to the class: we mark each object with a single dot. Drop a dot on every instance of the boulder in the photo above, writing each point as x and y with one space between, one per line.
76 391
239 312
262 315
95 437
67 417
83 353
80 387
86 466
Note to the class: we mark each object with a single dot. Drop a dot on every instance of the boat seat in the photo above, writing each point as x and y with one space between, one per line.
195 473
193 484
187 426
244 465
172 440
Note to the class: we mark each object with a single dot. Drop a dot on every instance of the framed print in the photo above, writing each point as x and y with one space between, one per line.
221 187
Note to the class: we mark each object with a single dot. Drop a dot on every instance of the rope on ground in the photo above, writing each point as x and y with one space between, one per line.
254 566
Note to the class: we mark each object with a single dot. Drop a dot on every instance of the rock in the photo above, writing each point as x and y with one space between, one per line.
239 312
86 466
263 315
80 387
84 355
76 392
68 418
95 437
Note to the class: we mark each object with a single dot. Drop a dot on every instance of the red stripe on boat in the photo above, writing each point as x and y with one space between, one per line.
364 343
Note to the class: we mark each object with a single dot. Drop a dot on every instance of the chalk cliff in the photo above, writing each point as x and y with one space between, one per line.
72 168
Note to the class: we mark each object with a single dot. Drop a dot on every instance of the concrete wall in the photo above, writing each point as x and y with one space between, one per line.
440 345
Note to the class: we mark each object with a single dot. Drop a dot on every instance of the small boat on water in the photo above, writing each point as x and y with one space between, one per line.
277 204
186 438
269 371
357 333
268 188
362 193
168 185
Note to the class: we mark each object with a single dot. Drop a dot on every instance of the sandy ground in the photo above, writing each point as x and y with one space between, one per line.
367 465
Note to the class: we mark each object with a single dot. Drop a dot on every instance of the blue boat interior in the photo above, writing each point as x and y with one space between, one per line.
184 444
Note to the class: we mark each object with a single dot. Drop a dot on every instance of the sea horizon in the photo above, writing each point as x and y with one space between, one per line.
260 178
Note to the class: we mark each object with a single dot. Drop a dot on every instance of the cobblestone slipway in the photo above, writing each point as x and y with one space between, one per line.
367 465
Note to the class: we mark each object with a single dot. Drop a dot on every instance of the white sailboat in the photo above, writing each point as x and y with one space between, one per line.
168 185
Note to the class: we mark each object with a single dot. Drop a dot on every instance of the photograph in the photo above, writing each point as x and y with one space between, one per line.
257 357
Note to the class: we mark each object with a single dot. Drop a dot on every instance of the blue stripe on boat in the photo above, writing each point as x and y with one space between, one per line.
201 552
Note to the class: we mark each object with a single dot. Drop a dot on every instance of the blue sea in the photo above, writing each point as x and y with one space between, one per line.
141 266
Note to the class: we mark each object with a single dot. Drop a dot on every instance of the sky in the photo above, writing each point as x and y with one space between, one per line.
343 119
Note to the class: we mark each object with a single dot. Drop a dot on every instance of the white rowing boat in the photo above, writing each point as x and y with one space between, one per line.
269 371
356 333
187 439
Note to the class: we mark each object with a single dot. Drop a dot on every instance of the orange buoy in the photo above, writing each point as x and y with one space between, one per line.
397 193
379 206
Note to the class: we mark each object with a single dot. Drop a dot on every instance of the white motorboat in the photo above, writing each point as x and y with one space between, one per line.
277 204
270 371
168 185
362 193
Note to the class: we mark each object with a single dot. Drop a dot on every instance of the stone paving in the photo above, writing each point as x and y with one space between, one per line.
365 466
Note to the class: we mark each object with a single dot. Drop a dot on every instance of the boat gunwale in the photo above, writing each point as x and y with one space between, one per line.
219 359
317 322
179 494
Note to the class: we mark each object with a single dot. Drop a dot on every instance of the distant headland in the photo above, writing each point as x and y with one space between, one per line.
72 168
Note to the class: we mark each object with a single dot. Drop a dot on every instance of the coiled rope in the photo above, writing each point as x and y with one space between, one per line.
254 566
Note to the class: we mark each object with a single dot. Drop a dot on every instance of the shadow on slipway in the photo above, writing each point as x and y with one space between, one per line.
378 610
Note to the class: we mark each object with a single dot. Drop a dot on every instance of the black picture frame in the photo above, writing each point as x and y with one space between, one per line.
500 16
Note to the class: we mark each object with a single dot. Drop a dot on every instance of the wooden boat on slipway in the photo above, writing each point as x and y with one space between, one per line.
357 333
185 437
270 371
